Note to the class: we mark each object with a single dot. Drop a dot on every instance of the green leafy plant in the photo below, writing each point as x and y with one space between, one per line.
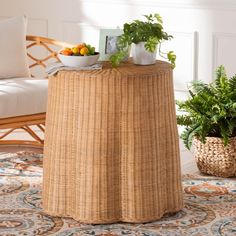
149 31
210 111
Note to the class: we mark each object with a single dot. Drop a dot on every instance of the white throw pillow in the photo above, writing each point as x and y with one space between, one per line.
13 55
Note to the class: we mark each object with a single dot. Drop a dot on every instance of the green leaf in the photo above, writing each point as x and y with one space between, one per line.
151 44
225 134
220 72
188 135
171 57
118 57
158 17
211 108
184 120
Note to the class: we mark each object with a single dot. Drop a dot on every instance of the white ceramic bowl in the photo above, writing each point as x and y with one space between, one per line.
78 61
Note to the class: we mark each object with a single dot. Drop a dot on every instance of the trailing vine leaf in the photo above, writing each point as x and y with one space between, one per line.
117 58
158 17
151 43
171 57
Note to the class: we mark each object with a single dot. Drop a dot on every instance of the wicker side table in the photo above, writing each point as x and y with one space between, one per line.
111 145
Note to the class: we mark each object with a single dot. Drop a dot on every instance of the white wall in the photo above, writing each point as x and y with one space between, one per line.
204 30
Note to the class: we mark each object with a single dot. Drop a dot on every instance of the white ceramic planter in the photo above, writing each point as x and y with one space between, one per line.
141 56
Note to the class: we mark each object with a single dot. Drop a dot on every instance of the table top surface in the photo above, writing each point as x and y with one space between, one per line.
126 68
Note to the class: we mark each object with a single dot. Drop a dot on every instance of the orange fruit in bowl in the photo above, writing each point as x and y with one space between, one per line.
84 51
67 52
81 45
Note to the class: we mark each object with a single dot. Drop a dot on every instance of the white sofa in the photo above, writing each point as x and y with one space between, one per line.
23 99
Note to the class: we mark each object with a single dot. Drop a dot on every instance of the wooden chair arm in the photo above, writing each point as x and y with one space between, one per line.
52 47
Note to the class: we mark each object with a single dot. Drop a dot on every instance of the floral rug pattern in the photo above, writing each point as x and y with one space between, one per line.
210 206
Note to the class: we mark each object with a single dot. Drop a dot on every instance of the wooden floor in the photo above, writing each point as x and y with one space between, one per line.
187 161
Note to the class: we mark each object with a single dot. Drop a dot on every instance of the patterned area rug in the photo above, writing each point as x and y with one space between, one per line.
210 206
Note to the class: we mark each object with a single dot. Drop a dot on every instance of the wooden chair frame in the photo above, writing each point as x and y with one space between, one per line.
27 122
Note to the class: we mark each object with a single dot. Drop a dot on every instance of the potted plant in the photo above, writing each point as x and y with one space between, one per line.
209 119
146 38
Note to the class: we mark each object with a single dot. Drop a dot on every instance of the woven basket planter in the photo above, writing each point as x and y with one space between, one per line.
214 158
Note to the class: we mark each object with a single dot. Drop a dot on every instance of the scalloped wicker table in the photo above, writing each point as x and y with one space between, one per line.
111 145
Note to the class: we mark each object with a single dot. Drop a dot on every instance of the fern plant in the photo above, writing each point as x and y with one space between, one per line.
210 110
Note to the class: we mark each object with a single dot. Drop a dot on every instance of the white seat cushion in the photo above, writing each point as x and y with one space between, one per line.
22 96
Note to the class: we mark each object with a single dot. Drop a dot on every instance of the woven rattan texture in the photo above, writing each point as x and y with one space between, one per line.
111 145
214 158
